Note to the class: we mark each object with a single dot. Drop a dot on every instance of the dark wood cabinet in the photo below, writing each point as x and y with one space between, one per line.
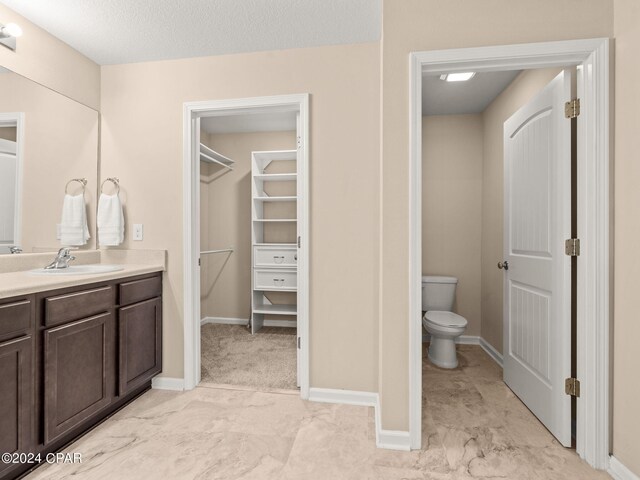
77 373
139 343
71 357
16 400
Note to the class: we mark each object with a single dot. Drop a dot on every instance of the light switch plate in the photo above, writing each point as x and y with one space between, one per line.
138 231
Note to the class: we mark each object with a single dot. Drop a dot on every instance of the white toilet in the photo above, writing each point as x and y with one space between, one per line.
438 294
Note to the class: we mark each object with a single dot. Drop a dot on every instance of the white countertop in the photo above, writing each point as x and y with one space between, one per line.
22 283
15 283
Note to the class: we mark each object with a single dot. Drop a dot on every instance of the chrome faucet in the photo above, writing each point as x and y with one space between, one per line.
15 249
62 259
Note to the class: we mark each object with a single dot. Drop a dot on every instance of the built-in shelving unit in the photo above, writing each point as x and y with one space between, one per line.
209 155
274 263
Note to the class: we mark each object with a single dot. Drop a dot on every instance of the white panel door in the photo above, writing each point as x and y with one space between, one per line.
537 297
8 172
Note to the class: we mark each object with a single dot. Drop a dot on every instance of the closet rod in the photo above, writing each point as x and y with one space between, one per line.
206 252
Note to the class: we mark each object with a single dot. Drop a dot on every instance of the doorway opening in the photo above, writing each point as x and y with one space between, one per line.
246 243
468 243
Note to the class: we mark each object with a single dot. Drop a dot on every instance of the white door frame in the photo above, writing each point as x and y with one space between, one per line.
592 58
191 236
16 119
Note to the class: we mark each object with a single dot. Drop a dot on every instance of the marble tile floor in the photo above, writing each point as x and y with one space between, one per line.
473 428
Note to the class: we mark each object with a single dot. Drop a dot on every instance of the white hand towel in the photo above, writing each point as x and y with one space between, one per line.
110 221
73 225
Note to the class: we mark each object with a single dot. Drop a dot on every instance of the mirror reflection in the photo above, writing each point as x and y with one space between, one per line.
48 168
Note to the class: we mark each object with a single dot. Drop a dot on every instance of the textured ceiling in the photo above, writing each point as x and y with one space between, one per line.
454 98
126 31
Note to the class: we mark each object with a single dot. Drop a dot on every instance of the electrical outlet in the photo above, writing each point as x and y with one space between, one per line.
138 232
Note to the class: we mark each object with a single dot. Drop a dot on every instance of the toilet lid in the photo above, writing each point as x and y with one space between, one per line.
445 319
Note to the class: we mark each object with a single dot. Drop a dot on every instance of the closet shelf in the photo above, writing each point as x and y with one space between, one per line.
211 156
275 245
276 309
275 220
276 177
276 199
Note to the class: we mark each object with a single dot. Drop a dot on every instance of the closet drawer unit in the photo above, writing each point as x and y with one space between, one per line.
275 280
73 306
265 256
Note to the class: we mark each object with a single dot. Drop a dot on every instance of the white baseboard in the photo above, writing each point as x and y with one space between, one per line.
387 439
244 322
491 351
619 471
224 321
167 383
468 340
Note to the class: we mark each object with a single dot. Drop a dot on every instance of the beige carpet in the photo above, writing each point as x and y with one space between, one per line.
231 355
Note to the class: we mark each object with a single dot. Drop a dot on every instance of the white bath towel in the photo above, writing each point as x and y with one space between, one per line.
73 225
110 221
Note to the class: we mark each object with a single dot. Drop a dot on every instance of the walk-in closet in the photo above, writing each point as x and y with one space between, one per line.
248 250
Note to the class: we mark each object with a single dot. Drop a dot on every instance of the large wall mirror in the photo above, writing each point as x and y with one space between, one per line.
48 160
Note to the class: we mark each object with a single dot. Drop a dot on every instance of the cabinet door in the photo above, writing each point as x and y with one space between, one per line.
16 401
78 369
140 343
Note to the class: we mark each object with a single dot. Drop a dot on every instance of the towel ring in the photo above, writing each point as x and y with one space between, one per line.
113 180
82 181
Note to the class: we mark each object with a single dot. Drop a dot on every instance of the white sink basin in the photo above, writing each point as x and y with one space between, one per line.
78 270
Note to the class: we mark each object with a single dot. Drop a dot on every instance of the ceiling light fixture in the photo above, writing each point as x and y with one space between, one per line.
457 77
8 35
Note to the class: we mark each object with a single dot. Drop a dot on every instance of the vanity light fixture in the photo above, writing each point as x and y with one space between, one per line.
8 35
457 77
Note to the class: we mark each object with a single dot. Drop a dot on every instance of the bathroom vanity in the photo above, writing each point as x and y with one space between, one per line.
69 357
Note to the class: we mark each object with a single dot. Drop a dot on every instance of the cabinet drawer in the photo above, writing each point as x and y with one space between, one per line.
139 290
275 256
273 280
72 306
15 318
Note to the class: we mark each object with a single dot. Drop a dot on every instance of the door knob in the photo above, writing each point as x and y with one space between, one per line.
504 265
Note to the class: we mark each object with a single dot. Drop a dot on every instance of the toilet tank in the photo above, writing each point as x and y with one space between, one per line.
438 293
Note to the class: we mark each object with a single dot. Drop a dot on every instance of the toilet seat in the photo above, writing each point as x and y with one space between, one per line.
445 319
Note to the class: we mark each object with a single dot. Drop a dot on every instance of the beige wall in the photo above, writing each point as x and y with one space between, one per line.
626 386
452 207
418 25
226 221
47 60
142 145
521 90
60 143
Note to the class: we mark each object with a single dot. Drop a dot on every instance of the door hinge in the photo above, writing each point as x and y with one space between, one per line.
572 247
298 242
298 342
572 108
199 262
299 141
572 387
